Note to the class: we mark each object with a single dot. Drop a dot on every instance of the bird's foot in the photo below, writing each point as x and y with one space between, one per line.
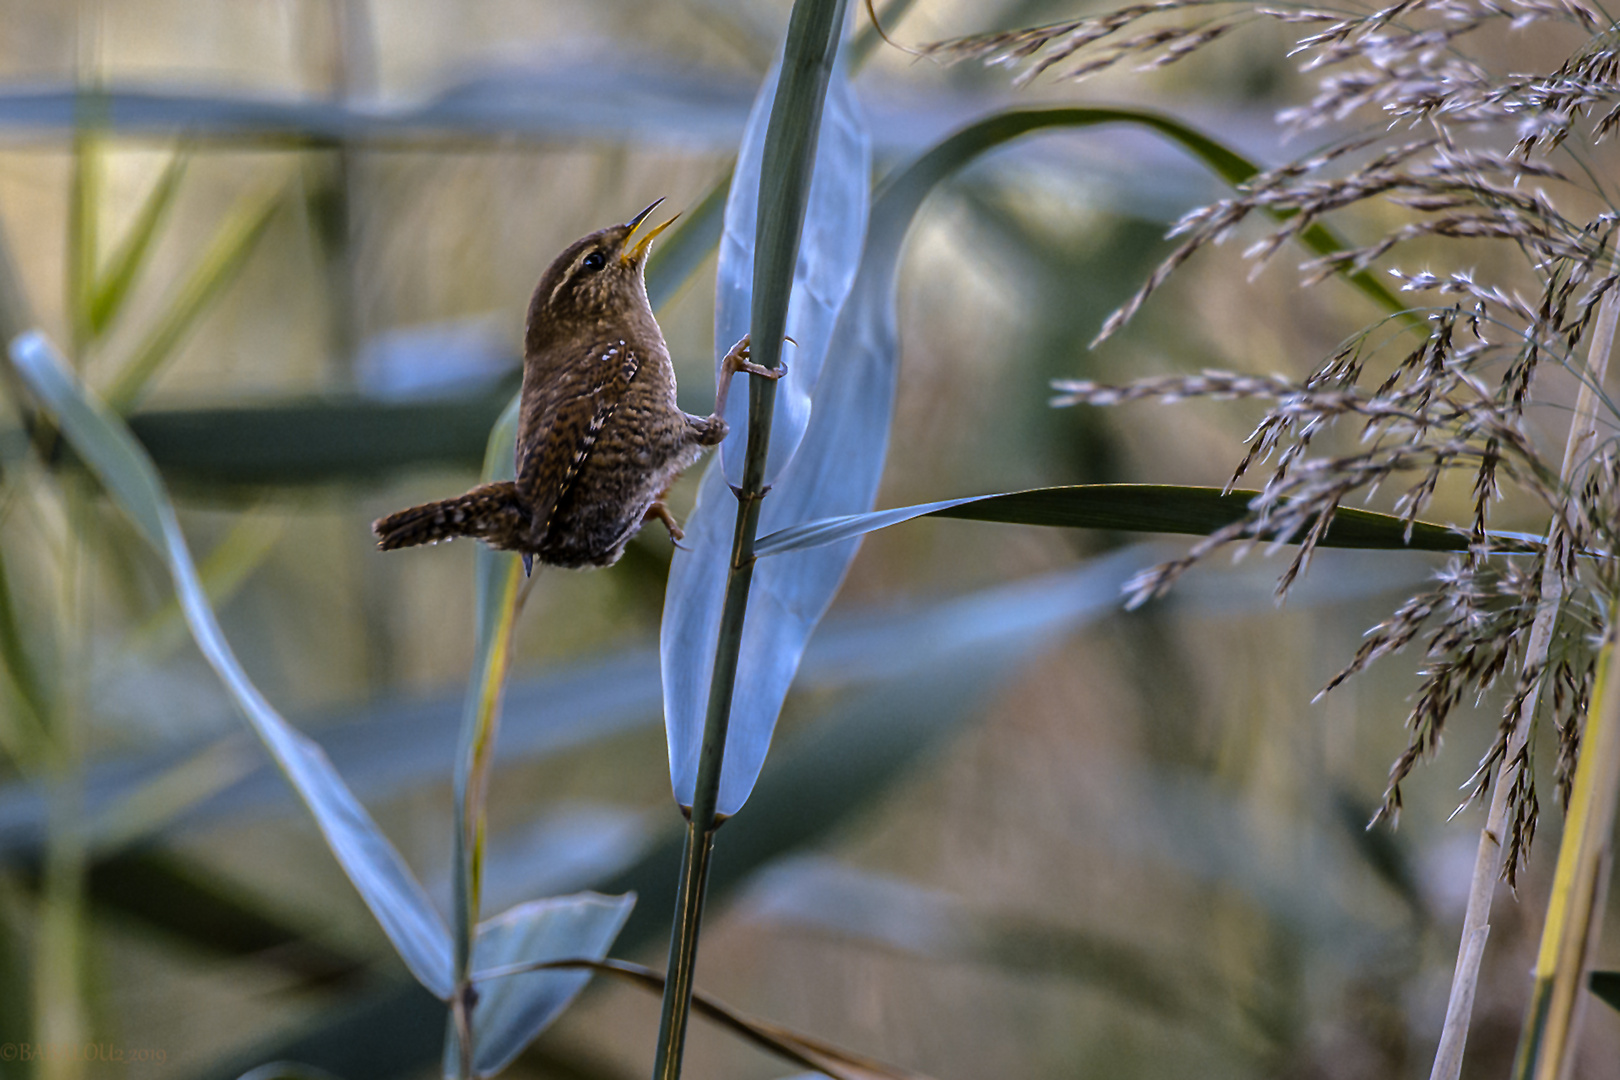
737 361
712 429
661 512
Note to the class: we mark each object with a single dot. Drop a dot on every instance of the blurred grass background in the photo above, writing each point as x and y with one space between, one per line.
1141 854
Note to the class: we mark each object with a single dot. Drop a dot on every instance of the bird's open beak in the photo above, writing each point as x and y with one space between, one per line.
639 252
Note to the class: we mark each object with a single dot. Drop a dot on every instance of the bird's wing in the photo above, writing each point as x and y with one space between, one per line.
553 452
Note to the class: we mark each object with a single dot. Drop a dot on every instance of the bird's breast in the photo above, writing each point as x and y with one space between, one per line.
635 455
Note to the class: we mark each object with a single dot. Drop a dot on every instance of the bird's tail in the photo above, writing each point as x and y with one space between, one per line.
489 512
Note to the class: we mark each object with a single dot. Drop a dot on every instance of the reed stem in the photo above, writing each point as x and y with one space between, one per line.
814 30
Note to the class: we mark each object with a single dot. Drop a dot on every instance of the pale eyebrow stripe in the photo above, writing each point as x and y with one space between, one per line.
573 268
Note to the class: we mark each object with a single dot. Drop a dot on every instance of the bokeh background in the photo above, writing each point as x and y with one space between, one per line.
1134 850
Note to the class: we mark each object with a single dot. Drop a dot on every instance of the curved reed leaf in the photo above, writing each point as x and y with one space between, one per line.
949 657
513 1010
698 574
381 876
1159 508
829 254
835 471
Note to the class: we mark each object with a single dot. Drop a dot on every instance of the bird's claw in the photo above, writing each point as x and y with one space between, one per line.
763 371
661 512
737 361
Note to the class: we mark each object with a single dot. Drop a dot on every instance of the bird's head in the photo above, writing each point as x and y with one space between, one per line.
597 280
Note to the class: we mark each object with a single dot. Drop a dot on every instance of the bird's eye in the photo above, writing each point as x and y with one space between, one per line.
594 261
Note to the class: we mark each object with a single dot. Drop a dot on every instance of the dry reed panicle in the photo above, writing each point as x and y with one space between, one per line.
1462 152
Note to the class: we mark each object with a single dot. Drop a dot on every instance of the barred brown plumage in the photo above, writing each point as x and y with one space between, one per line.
490 512
600 437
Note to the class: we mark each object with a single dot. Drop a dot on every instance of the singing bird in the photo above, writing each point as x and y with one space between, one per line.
600 438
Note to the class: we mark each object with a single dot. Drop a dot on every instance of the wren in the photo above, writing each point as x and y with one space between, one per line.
600 438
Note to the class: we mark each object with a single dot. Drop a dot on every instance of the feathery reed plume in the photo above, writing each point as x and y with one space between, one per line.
1466 157
1453 150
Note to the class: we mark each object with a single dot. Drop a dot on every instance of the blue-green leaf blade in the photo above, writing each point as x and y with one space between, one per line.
829 256
835 471
381 876
513 1009
792 159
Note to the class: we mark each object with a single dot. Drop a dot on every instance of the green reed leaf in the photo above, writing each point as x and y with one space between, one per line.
217 268
84 207
112 285
1161 508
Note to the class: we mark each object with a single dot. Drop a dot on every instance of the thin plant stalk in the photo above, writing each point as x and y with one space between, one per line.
59 971
1575 911
472 789
814 30
500 599
702 818
1488 860
83 211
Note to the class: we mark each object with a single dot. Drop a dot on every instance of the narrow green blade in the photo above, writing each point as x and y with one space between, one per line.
112 286
1162 508
217 268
